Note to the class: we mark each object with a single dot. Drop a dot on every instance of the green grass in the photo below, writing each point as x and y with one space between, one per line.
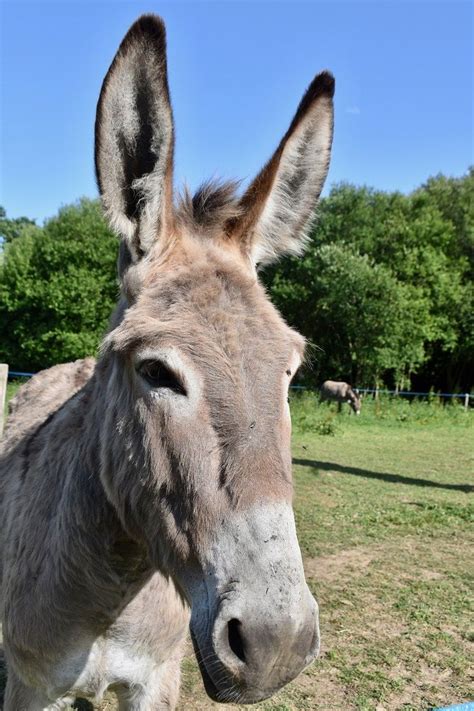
12 387
309 414
384 510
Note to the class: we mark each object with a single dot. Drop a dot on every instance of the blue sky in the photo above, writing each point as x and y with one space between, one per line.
403 73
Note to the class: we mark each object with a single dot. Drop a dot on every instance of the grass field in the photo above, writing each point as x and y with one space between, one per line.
384 511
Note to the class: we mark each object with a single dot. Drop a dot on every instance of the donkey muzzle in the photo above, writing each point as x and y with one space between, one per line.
254 621
261 654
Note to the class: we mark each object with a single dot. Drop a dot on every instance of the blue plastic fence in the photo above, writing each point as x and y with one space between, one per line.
465 396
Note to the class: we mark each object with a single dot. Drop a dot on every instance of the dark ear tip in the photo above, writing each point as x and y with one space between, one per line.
323 83
149 25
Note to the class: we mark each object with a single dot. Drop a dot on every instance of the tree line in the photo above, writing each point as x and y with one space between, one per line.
384 294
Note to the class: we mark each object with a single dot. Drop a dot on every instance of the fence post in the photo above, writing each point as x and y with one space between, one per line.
3 392
466 401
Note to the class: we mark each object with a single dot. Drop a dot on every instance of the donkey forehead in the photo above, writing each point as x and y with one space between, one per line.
210 309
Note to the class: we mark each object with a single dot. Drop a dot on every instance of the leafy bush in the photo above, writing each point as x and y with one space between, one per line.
57 288
309 416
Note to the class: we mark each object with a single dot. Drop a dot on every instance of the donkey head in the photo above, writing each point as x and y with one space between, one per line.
196 451
353 398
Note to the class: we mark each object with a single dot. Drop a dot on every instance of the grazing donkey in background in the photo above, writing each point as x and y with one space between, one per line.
153 489
340 392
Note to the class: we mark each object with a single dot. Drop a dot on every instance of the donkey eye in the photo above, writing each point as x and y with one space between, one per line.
158 375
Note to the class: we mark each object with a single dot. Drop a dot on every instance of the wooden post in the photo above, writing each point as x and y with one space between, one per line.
3 392
466 400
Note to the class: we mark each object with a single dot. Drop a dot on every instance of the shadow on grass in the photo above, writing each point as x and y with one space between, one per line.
382 476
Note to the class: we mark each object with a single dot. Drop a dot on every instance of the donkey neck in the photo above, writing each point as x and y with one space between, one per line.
96 534
80 551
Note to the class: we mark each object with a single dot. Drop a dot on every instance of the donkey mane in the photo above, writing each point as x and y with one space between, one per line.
214 203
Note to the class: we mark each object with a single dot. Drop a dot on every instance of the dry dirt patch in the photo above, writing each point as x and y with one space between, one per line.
350 562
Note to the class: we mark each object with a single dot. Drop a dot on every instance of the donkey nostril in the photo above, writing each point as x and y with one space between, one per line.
236 642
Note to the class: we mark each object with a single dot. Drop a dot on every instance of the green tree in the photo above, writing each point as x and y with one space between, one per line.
57 288
450 279
363 321
12 228
425 243
454 198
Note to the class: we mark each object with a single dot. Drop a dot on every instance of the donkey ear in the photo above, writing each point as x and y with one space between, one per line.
279 205
134 139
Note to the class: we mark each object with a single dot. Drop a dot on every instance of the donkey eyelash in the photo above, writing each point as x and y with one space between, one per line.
159 375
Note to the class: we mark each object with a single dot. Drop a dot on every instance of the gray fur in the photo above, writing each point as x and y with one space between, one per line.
340 392
280 204
157 481
290 209
135 138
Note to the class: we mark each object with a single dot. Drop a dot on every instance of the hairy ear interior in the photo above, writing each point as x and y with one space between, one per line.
134 138
279 206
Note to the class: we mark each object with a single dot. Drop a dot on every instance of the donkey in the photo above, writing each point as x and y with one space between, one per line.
151 491
340 392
